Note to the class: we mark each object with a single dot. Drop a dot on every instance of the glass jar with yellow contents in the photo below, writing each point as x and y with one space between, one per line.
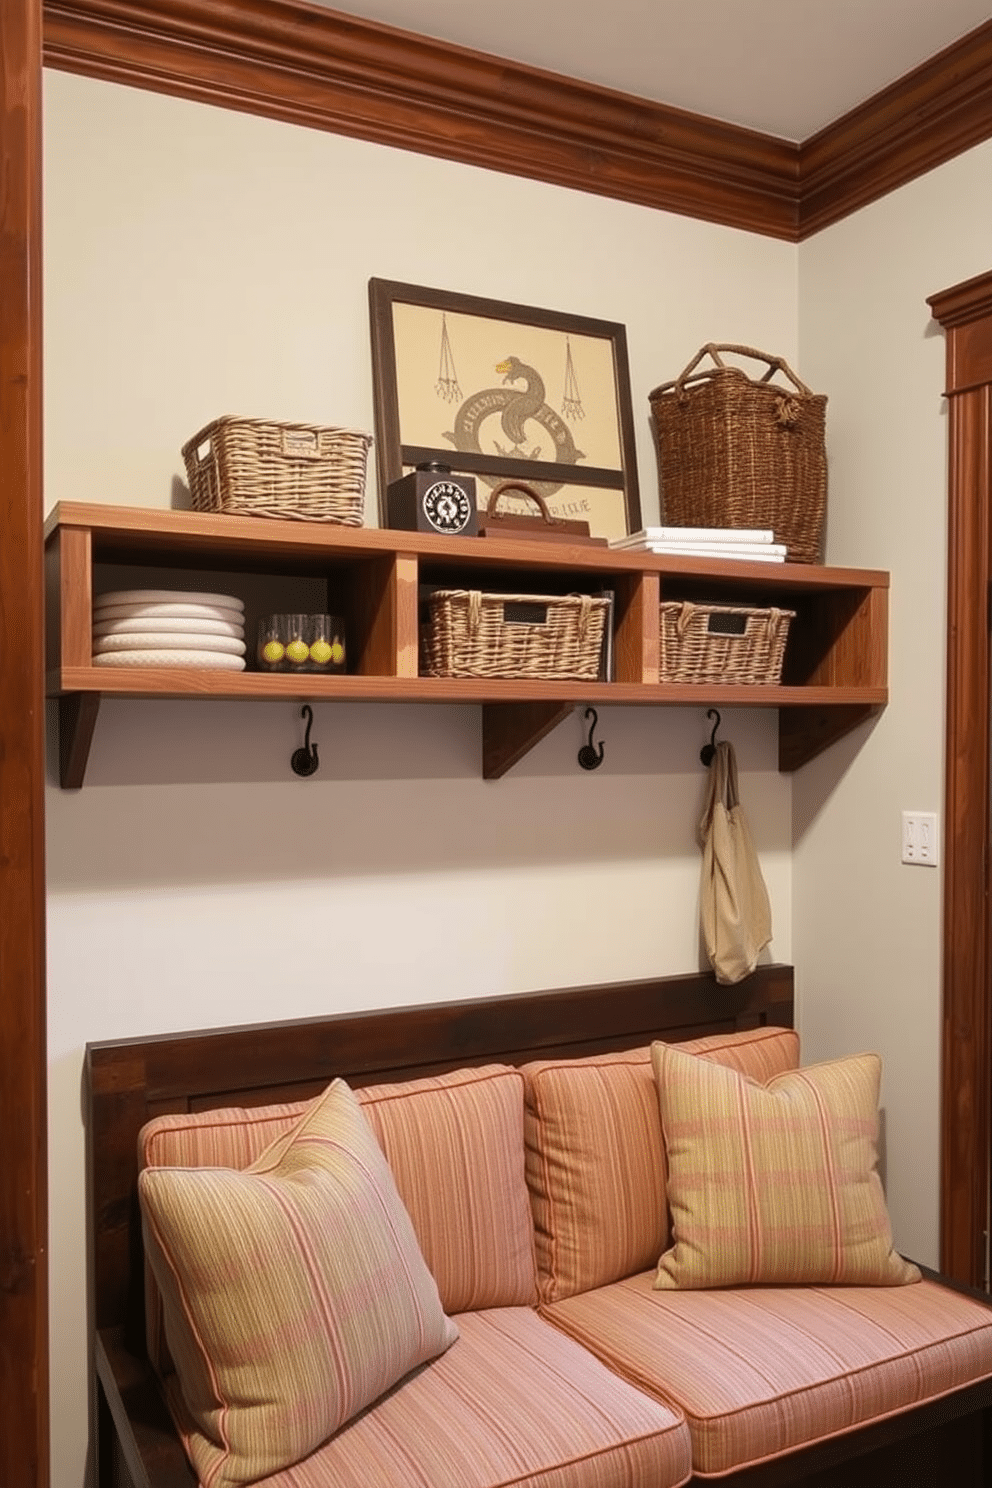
301 643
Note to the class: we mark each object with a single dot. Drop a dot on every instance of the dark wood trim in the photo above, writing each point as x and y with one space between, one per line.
959 306
23 1053
927 117
965 312
289 60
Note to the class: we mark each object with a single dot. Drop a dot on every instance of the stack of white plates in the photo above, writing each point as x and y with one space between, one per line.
168 628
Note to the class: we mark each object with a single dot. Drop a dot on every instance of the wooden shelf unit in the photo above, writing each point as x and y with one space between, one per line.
834 676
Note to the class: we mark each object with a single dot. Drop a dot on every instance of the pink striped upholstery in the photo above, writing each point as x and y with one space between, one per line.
762 1371
595 1159
294 1292
455 1145
774 1183
456 1148
512 1402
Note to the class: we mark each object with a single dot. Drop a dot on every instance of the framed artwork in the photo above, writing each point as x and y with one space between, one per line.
505 392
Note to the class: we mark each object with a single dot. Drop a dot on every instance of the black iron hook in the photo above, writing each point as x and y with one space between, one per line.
708 751
590 757
304 761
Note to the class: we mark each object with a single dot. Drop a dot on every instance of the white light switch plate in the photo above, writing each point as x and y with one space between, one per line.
919 838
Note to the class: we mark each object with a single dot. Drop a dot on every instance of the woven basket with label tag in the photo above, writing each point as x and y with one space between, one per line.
471 634
259 468
721 643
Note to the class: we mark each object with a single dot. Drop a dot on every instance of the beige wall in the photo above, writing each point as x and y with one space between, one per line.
200 262
867 929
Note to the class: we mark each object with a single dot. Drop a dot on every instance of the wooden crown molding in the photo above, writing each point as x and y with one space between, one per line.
299 62
964 303
290 60
926 118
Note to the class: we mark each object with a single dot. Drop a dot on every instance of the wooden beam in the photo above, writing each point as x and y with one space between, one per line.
23 1056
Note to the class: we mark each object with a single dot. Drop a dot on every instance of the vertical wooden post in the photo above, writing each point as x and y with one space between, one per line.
24 1449
965 312
637 642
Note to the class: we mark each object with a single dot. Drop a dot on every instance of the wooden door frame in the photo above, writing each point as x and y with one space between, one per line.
24 1410
965 313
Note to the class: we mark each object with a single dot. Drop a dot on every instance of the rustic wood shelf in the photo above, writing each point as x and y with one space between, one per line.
835 672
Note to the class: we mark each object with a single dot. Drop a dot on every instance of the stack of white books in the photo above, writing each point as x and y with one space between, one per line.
752 544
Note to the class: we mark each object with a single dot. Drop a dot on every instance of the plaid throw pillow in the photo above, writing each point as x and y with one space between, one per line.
774 1183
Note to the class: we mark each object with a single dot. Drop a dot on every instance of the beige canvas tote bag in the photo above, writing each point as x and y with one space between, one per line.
734 912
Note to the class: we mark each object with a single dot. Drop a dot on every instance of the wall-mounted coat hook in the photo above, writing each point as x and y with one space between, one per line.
708 751
304 761
590 756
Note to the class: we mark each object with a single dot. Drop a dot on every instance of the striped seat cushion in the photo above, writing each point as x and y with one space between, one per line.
778 1182
512 1404
762 1371
595 1158
294 1292
455 1145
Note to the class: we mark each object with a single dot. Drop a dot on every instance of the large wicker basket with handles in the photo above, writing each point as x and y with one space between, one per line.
721 643
553 637
742 451
262 468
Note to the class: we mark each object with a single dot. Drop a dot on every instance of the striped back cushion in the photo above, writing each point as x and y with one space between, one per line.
774 1182
595 1158
294 1291
455 1144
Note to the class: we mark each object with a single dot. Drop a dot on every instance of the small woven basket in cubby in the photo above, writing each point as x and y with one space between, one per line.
260 468
722 643
554 637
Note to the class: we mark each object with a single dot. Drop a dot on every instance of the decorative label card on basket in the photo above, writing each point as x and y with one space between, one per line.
737 451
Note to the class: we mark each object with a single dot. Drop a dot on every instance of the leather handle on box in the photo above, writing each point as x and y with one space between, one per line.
525 490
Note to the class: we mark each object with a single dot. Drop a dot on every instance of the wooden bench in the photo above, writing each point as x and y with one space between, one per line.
130 1081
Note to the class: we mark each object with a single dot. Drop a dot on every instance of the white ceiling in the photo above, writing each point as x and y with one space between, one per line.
785 67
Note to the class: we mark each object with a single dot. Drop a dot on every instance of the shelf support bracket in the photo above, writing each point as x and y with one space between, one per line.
805 732
77 720
510 730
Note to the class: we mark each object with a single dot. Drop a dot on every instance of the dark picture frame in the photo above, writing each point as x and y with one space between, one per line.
505 392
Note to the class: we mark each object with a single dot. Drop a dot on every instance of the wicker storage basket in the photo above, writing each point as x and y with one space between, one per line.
254 468
735 451
722 643
471 634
